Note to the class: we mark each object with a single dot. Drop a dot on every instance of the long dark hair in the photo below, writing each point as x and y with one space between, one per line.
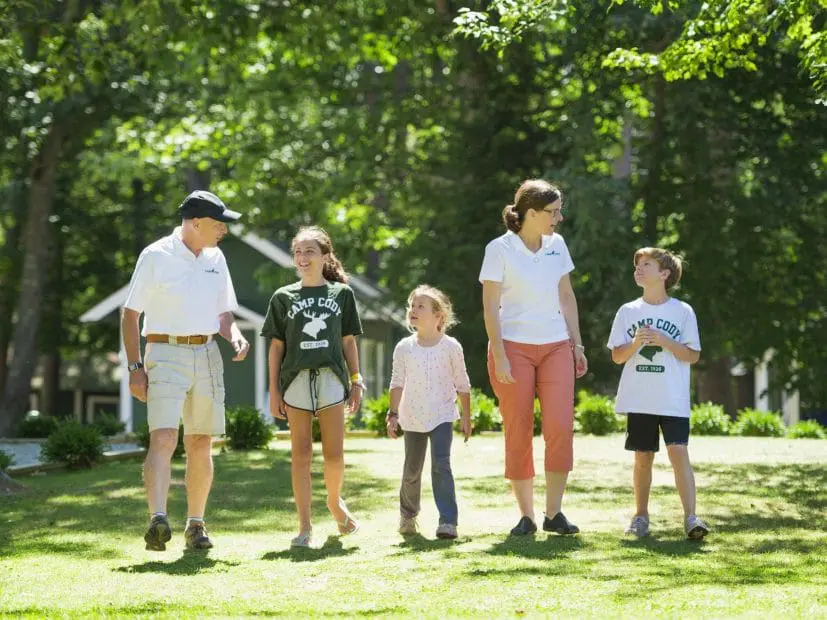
332 269
532 194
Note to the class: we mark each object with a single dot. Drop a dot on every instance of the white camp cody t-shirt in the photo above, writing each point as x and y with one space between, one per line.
653 379
530 302
179 293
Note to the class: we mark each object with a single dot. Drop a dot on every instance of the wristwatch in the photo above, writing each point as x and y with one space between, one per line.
132 367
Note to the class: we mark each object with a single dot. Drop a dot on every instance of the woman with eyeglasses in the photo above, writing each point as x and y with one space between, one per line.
534 346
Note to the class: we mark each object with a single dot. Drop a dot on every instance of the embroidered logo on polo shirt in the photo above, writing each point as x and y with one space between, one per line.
211 270
553 253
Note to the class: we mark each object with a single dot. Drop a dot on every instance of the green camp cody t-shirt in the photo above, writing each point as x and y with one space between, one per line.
311 321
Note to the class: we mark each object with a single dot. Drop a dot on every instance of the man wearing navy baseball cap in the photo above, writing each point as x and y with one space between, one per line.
182 286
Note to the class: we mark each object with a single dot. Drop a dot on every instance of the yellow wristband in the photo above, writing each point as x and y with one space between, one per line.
356 377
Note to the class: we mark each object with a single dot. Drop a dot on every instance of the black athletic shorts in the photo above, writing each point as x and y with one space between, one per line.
642 431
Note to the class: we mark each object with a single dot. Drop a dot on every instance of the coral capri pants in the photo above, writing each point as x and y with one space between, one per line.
547 371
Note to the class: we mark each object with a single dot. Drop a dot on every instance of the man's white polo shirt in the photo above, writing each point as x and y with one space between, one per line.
180 294
530 301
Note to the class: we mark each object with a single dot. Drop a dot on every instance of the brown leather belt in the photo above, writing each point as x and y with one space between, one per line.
166 339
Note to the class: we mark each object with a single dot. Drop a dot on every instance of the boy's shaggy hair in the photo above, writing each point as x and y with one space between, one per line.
665 260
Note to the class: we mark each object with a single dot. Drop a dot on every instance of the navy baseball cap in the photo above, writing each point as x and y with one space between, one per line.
201 203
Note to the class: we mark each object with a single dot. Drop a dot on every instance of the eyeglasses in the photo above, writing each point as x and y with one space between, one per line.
554 212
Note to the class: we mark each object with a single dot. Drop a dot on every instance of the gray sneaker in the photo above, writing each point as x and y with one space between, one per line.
695 528
446 530
639 527
408 526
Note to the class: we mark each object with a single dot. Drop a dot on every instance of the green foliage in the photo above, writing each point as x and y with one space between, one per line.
245 428
595 414
108 424
807 429
753 423
6 461
485 415
709 419
142 437
37 426
374 411
75 444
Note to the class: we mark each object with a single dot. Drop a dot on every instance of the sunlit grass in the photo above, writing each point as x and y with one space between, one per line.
71 545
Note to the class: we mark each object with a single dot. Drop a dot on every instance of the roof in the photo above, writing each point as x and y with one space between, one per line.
369 298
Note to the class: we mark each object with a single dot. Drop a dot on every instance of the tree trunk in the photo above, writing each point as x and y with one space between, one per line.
36 255
10 283
715 384
51 329
653 192
9 486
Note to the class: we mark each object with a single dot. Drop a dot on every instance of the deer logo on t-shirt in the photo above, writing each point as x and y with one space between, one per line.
315 325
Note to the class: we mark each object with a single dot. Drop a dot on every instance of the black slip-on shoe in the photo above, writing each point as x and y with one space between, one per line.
158 534
195 537
524 527
560 525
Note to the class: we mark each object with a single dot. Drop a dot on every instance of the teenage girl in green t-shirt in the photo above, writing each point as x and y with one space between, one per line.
314 370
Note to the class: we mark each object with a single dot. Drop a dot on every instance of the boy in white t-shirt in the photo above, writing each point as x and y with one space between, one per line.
656 338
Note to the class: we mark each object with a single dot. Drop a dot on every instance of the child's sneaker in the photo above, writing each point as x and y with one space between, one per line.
446 530
695 528
639 527
303 541
408 526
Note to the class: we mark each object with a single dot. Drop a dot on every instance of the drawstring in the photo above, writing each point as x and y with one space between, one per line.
314 388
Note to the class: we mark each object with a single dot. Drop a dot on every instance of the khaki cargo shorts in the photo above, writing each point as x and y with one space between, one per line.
185 380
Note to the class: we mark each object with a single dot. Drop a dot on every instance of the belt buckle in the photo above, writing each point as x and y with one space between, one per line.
172 340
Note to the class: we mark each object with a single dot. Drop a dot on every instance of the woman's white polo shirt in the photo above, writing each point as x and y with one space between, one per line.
180 294
530 302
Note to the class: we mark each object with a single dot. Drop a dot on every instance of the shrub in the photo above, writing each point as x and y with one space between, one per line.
142 437
374 411
6 460
808 429
485 415
752 423
246 430
595 414
37 426
74 444
709 419
108 424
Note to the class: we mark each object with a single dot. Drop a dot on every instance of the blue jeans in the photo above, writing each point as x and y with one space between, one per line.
442 479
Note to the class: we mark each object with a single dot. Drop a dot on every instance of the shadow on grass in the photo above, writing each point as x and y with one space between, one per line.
191 563
251 493
538 547
417 543
331 548
667 547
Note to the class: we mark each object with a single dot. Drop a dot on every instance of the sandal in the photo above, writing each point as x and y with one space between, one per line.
349 525
302 541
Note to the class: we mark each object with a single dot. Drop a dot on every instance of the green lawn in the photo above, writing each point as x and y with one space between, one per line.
72 545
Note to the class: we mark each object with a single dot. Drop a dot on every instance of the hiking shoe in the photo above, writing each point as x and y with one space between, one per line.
695 528
158 534
560 525
408 526
446 531
639 527
524 527
196 537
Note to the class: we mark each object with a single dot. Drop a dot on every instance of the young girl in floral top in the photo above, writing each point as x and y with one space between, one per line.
428 374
